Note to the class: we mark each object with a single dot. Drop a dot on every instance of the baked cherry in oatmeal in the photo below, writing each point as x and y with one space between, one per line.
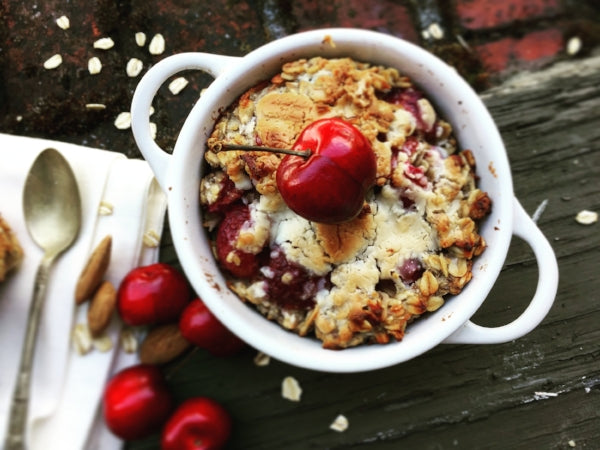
362 277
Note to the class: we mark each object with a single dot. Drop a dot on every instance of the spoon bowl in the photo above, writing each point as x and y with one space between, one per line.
52 209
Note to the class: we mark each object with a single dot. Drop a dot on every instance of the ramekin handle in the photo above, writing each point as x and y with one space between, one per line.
147 88
525 228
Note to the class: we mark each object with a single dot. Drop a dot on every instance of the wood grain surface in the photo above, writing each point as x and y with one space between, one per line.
539 392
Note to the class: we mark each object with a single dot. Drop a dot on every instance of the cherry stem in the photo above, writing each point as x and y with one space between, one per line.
257 148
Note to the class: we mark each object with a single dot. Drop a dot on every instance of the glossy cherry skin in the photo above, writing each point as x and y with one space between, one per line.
200 327
199 423
330 185
136 402
156 293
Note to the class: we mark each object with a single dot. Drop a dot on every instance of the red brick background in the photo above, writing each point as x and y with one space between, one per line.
485 40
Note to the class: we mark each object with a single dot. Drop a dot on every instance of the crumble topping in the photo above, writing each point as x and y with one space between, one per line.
365 280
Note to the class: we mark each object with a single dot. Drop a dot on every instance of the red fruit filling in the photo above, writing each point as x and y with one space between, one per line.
410 270
228 194
408 98
239 263
288 284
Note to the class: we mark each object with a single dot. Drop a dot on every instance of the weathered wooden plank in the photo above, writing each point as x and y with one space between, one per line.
540 391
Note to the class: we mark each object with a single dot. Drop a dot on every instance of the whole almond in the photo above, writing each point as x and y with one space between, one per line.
94 271
163 344
101 308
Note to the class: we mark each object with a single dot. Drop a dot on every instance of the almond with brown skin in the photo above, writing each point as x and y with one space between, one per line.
94 271
101 308
163 344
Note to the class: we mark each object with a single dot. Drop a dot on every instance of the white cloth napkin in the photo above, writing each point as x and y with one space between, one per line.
66 387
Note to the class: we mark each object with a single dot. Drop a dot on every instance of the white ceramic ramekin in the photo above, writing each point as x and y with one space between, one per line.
179 175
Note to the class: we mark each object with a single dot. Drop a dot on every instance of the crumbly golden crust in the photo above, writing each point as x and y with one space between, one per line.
11 253
413 243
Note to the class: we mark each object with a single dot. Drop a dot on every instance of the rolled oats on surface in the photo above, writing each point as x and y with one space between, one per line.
157 44
290 389
339 424
105 43
123 120
586 217
177 85
94 65
53 62
134 67
63 22
140 39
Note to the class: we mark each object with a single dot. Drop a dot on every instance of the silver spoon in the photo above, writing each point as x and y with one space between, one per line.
52 208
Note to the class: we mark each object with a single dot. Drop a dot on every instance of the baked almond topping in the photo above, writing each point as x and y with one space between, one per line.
360 280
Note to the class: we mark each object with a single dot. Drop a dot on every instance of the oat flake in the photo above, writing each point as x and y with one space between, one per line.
95 106
140 39
103 343
63 22
123 121
586 217
262 359
53 62
157 44
104 43
82 339
153 130
105 208
94 65
134 67
339 424
151 238
573 46
128 340
290 389
177 85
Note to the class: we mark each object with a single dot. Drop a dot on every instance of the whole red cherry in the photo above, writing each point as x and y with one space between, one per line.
330 185
136 402
156 293
199 423
200 327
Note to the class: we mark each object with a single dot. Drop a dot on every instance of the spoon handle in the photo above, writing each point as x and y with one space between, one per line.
15 438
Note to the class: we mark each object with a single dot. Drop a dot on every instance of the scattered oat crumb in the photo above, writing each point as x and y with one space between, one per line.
134 67
128 340
94 65
19 118
104 43
63 22
123 121
105 208
157 44
53 62
103 343
95 106
586 217
151 110
435 31
153 130
82 339
572 443
290 389
177 85
573 46
140 39
262 359
151 238
339 424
